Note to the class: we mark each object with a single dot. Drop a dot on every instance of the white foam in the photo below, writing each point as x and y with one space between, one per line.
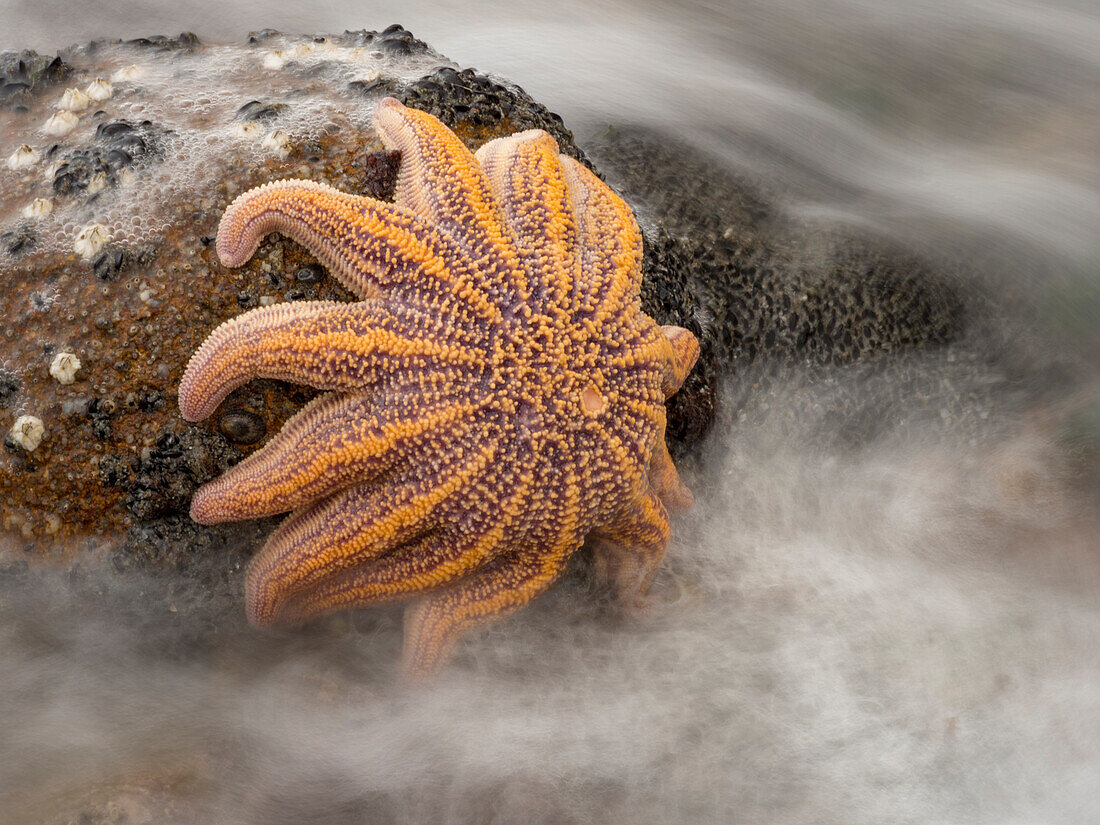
185 97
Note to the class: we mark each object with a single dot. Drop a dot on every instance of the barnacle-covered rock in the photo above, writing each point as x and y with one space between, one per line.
151 166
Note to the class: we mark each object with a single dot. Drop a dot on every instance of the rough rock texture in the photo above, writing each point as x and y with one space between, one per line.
25 73
117 458
794 316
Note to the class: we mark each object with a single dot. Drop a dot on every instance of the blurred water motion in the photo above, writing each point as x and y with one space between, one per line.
905 635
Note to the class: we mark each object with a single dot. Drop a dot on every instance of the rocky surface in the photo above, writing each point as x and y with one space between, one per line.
807 324
107 254
135 300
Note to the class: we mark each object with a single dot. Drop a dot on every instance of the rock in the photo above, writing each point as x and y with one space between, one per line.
789 312
24 73
478 108
132 285
9 386
116 146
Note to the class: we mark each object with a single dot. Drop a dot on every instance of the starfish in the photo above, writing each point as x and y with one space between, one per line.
496 396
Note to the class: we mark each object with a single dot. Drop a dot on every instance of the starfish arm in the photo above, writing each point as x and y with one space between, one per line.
441 182
677 365
526 178
327 345
498 395
434 623
334 442
374 248
319 544
419 566
643 351
469 539
664 479
628 550
609 273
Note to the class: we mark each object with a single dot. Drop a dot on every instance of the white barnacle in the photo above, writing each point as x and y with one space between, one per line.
90 240
23 157
64 367
131 72
38 208
248 130
28 432
277 142
274 60
74 100
60 124
97 183
99 89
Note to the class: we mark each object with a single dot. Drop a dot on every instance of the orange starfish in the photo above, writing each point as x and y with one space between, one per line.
498 394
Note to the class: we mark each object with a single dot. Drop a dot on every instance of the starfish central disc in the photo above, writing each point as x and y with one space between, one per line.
496 394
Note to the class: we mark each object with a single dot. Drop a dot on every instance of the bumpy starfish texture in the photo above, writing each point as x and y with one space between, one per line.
497 394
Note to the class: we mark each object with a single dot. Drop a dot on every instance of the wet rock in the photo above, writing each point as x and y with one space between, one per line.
187 41
117 145
116 259
262 36
113 471
18 241
42 300
718 260
376 175
150 401
776 302
379 87
100 411
478 108
77 406
110 262
178 543
163 478
393 40
194 571
21 73
9 386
